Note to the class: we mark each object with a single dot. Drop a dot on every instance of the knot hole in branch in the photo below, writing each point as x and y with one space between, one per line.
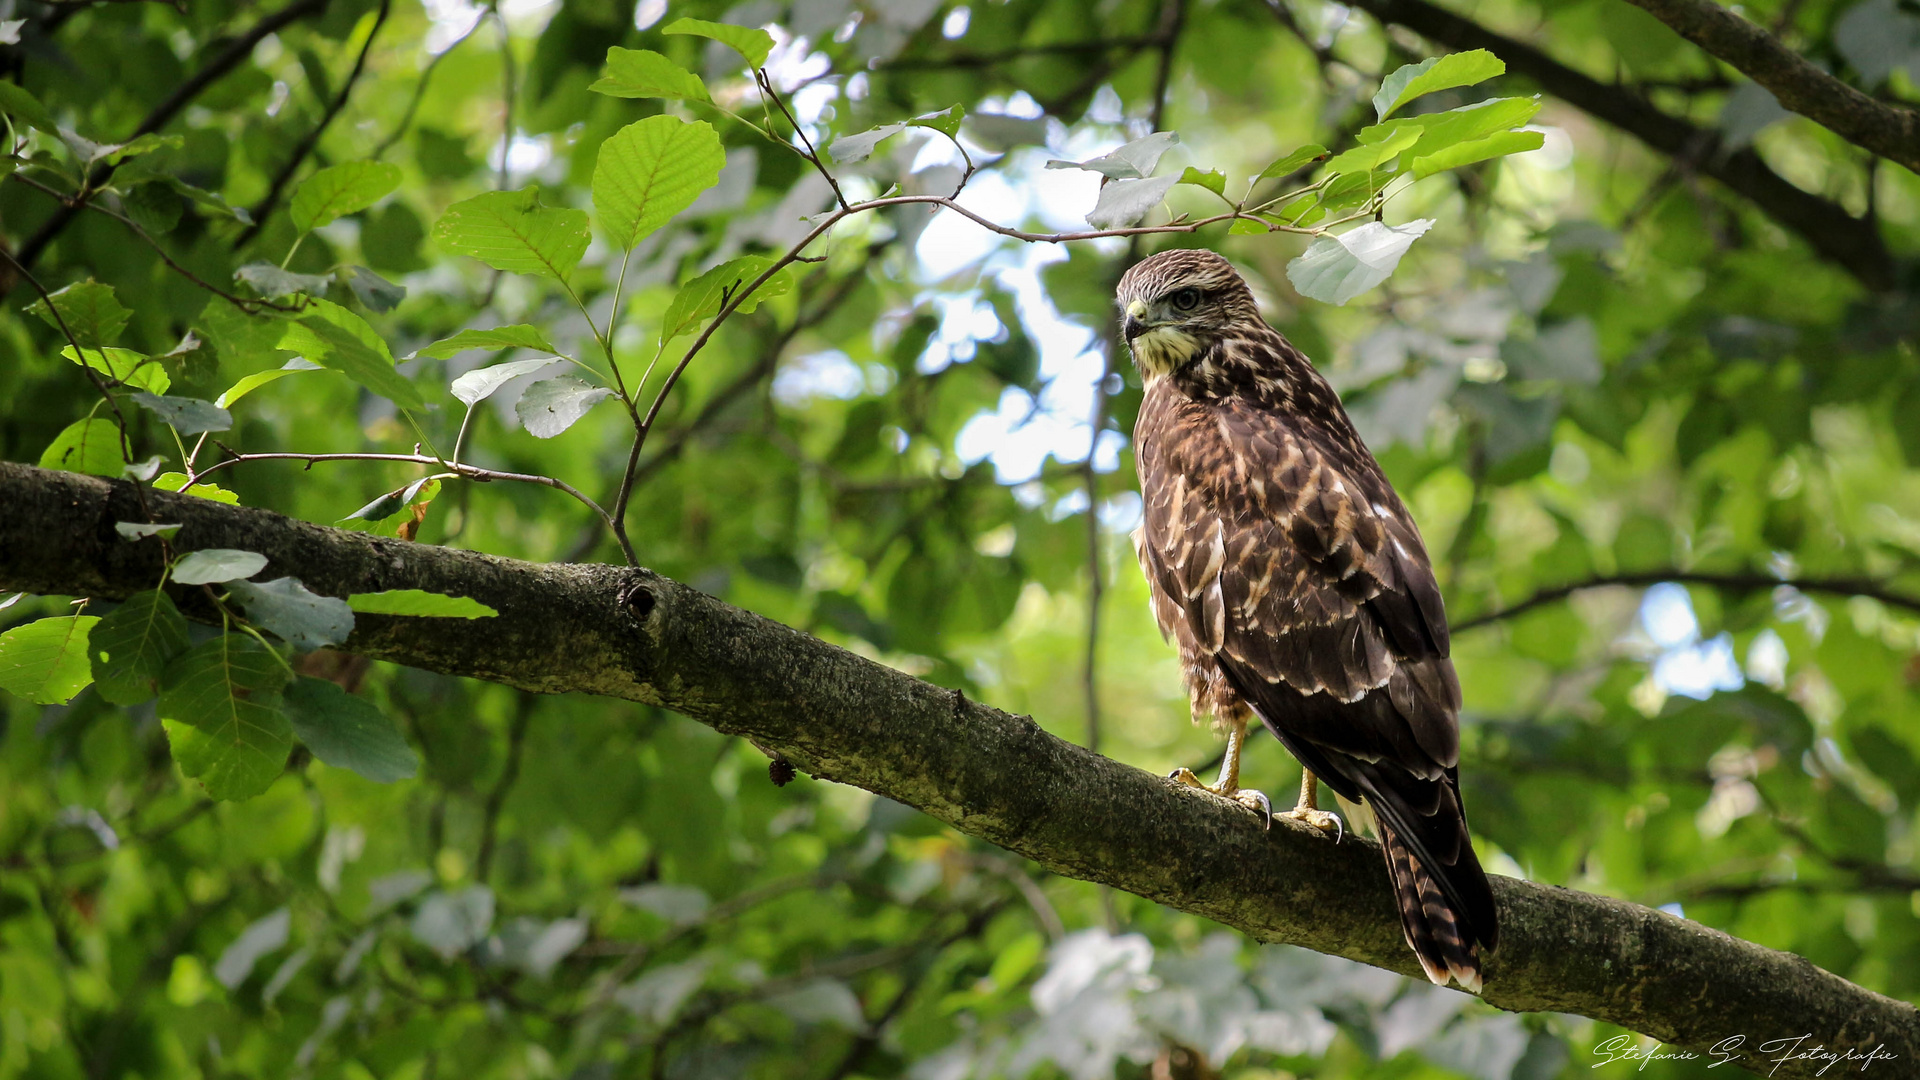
637 599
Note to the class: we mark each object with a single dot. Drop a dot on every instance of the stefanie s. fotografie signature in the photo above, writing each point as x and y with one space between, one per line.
1732 1051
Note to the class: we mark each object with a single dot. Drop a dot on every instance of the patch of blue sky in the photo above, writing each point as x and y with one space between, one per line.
1686 665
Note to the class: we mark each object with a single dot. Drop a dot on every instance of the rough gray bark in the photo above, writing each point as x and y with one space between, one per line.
1891 131
636 635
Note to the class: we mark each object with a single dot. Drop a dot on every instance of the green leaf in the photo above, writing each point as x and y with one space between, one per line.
1371 155
1123 202
476 386
243 340
133 644
348 732
126 367
135 173
221 705
259 379
1293 162
301 618
213 566
420 603
374 292
188 416
651 170
1335 269
1466 153
554 405
1347 191
396 514
140 530
90 311
340 190
750 42
701 299
115 153
1244 227
272 282
518 336
848 149
1132 161
90 446
1435 73
1442 129
1306 210
1470 122
334 337
510 230
946 121
1212 180
16 102
173 481
153 207
642 73
45 661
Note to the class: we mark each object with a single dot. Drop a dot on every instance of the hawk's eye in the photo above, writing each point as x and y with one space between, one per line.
1186 299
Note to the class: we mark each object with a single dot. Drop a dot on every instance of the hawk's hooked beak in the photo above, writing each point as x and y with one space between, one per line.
1135 323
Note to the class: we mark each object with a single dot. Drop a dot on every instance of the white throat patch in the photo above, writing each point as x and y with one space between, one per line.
1164 349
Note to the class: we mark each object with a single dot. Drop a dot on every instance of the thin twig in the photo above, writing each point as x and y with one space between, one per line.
727 395
1866 587
469 472
795 253
245 303
264 208
80 355
766 85
420 90
490 815
508 79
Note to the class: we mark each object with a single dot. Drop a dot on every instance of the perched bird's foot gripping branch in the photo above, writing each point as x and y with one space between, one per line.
1255 801
1308 813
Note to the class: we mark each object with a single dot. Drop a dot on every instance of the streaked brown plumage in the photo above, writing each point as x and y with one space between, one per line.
1295 584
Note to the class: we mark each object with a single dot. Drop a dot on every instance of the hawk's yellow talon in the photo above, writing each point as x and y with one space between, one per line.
1318 819
1253 800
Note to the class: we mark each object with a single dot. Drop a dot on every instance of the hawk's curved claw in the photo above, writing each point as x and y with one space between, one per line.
1318 819
1255 801
1265 808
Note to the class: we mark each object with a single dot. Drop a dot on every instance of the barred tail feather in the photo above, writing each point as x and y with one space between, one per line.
1438 936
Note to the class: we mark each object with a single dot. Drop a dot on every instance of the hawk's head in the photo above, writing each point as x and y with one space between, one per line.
1175 303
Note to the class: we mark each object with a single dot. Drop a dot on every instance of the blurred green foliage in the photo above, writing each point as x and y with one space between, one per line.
1601 382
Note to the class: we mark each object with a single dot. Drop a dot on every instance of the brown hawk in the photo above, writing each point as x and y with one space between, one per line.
1295 584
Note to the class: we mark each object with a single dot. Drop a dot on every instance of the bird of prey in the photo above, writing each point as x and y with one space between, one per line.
1296 587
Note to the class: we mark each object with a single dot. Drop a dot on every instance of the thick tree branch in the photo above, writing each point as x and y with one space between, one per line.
632 634
1849 242
1891 131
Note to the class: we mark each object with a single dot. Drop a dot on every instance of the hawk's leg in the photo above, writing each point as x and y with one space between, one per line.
1229 785
1307 813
